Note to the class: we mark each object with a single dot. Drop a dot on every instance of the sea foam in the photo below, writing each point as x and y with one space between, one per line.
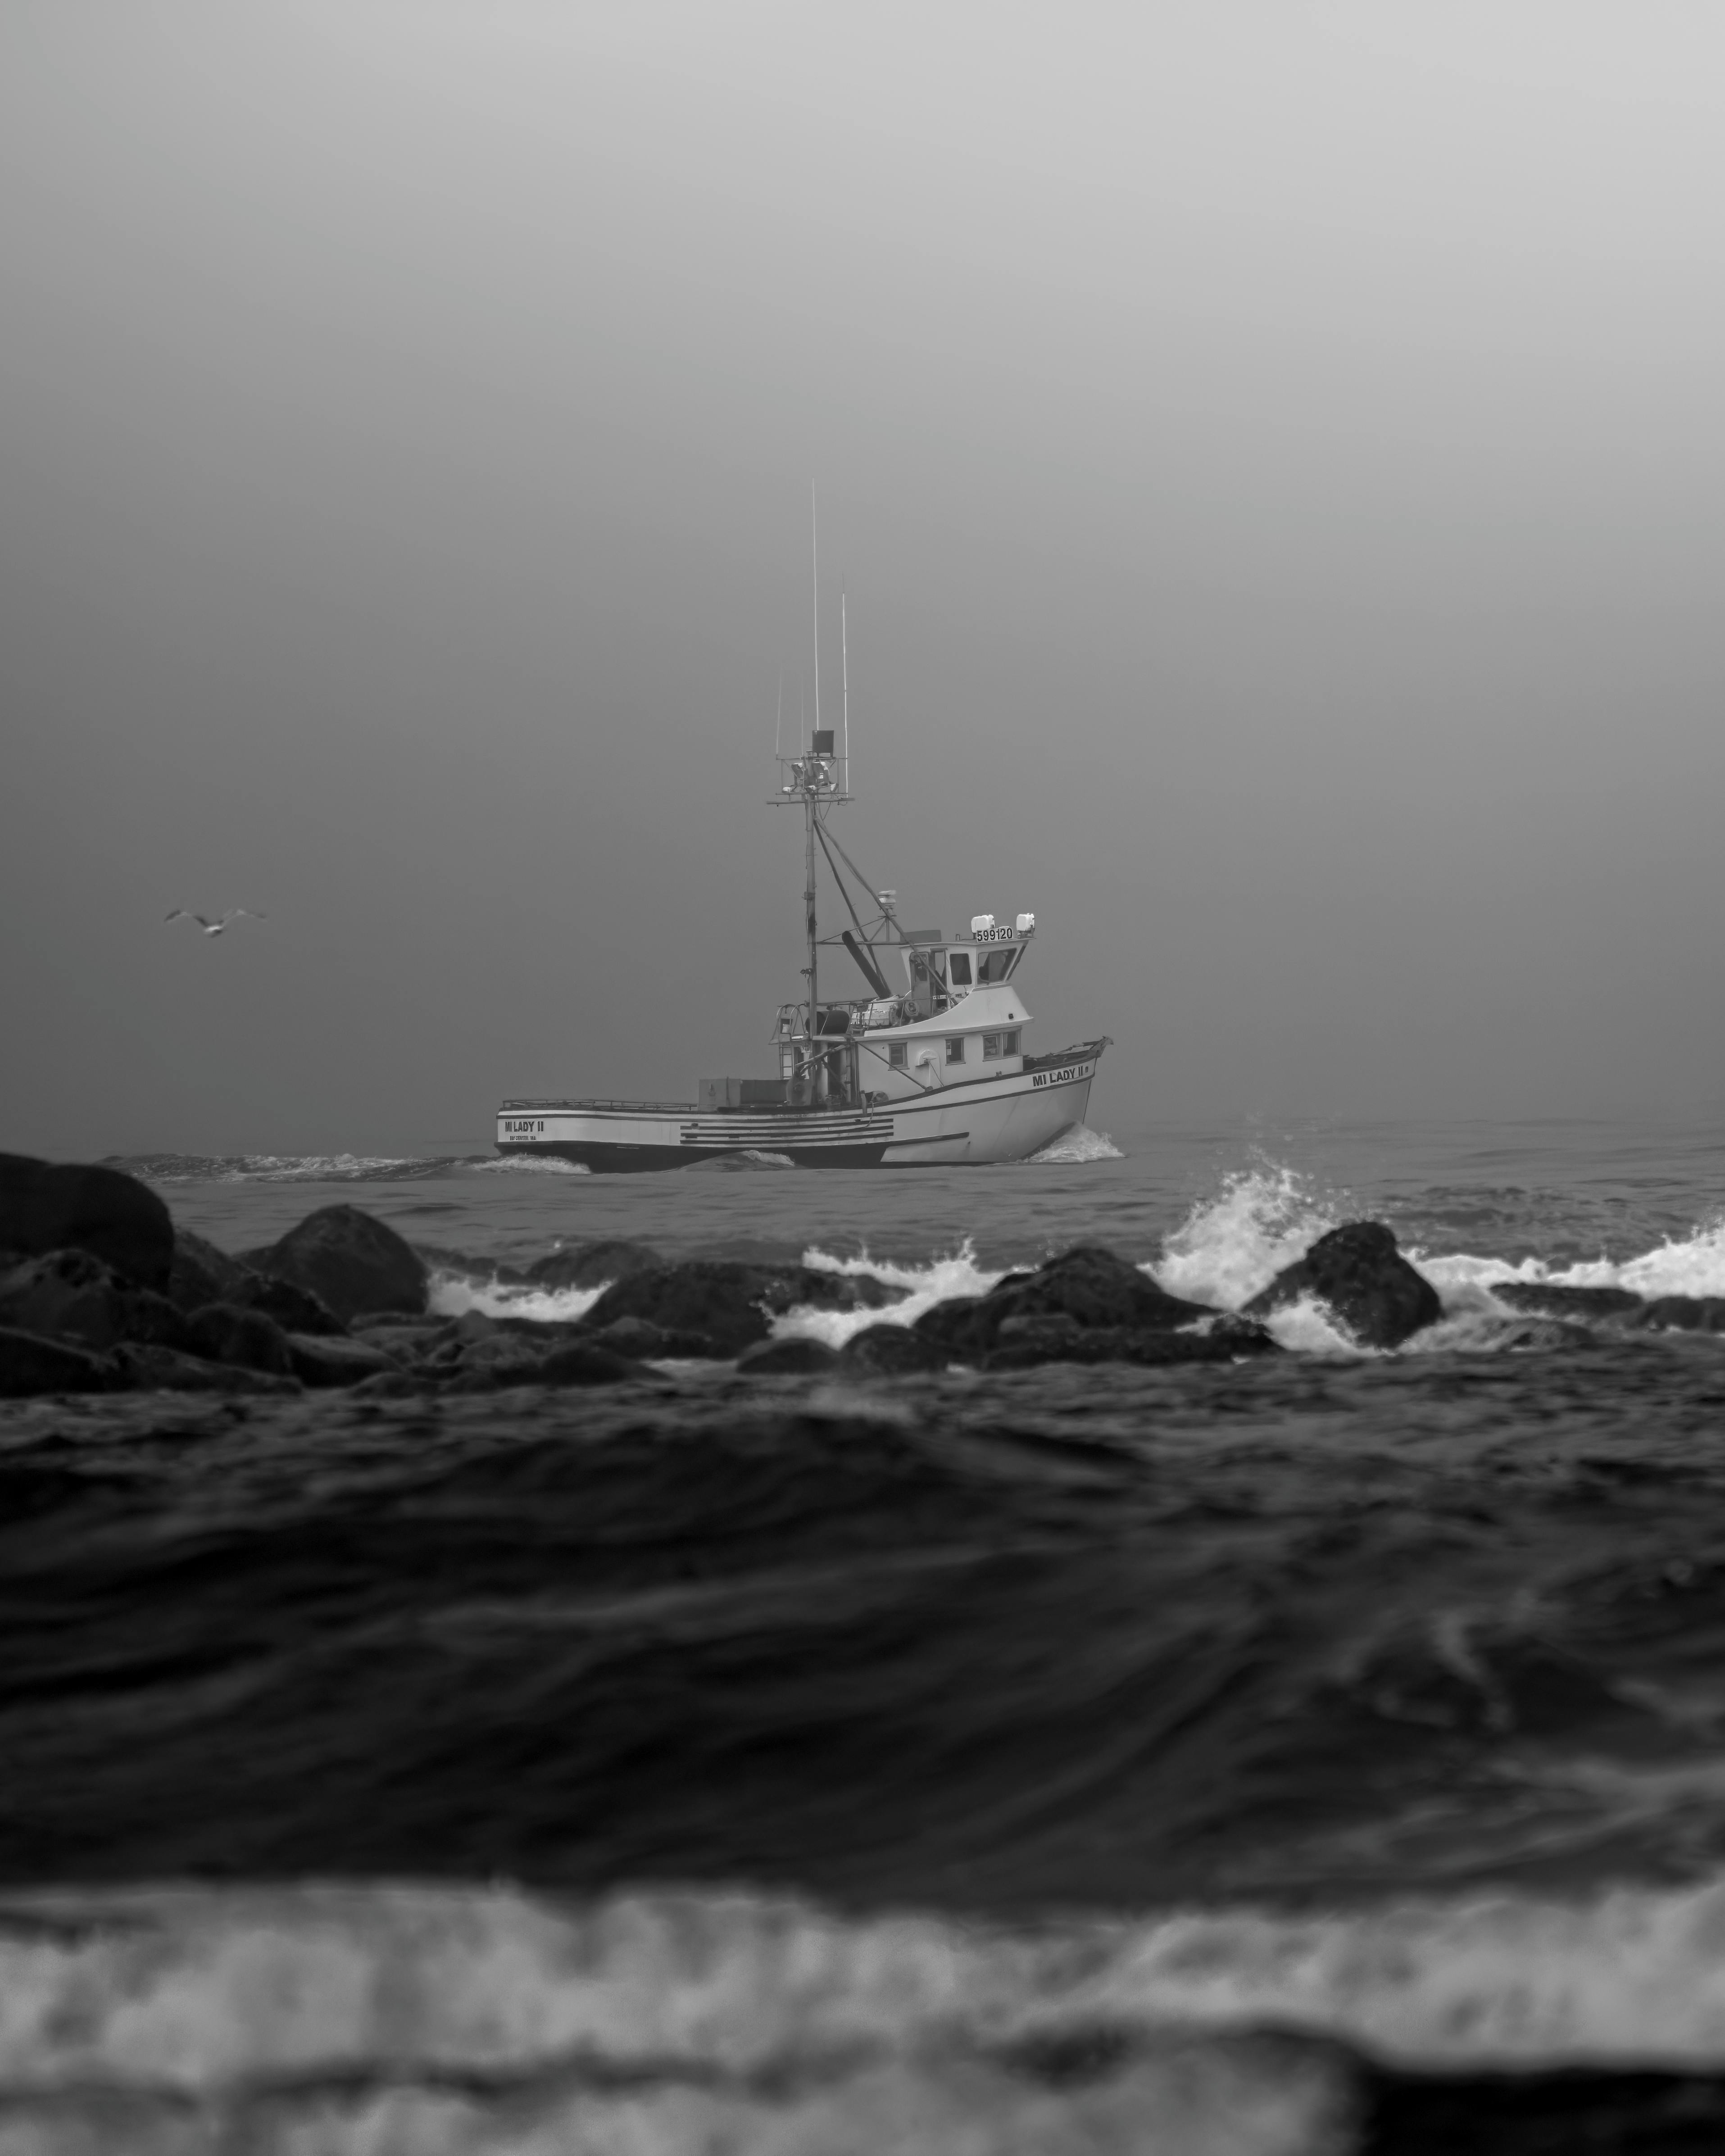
784 2019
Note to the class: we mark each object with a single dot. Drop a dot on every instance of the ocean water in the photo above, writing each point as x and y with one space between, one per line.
1323 1753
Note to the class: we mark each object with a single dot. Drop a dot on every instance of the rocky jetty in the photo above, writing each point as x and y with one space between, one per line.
1357 1273
99 1293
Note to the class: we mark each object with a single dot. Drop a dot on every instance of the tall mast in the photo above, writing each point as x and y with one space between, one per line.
844 678
808 797
814 556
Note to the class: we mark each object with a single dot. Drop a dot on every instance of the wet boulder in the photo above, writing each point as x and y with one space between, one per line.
203 1274
733 1302
1023 1342
572 1363
1359 1274
165 1370
1087 1288
643 1343
30 1365
1681 1313
248 1340
71 1296
887 1351
1547 1299
47 1205
592 1264
294 1309
322 1361
355 1264
787 1358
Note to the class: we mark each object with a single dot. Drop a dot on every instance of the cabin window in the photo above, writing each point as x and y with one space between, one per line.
1009 1042
961 969
896 1052
995 965
991 1046
955 1048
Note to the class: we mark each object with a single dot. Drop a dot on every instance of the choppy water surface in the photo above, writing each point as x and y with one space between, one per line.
1327 1753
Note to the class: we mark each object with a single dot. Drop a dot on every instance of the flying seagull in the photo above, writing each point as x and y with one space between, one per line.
215 927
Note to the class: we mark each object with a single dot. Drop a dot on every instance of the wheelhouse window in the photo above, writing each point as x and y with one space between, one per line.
961 969
1009 1042
895 1053
955 1048
995 965
991 1046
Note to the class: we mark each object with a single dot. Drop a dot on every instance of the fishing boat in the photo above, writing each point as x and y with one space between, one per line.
929 1069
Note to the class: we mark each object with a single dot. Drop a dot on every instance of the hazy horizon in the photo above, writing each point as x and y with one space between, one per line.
1271 454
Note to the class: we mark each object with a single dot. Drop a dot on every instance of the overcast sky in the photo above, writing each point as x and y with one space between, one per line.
1273 455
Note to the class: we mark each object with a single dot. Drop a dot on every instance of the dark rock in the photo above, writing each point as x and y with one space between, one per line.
296 1309
579 1363
1023 1342
1087 1287
354 1263
573 1364
887 1350
1681 1313
1548 1300
164 1370
224 1332
593 1265
201 1274
320 1361
784 1359
405 1340
30 1365
70 1295
635 1337
1360 1276
730 1301
49 1206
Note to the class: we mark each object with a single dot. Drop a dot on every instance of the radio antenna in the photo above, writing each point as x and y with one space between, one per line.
815 556
779 721
845 664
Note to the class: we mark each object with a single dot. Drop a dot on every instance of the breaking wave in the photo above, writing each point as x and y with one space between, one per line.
395 2016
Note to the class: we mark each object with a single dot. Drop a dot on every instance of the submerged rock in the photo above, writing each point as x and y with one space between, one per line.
71 1296
30 1365
1681 1313
732 1302
773 1358
887 1350
356 1264
1357 1272
52 1206
320 1361
1023 1342
1547 1299
593 1265
642 1341
165 1369
575 1362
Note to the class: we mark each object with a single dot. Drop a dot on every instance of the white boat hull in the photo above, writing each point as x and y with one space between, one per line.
1008 1118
